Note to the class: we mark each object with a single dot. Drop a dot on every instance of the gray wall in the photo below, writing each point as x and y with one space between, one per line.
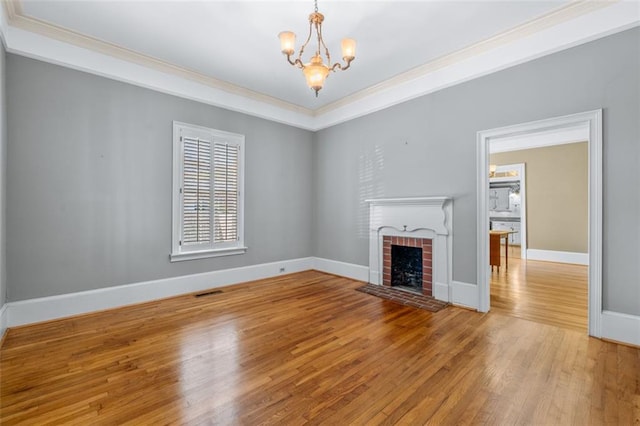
427 146
3 169
89 182
88 202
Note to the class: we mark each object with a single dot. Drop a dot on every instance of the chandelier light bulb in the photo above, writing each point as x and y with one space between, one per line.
316 73
287 42
348 49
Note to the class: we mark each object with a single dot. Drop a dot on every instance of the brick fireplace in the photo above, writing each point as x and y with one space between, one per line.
398 269
418 230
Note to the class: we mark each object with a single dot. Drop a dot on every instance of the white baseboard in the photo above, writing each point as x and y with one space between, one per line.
558 256
3 320
621 327
349 270
65 305
441 291
615 326
465 294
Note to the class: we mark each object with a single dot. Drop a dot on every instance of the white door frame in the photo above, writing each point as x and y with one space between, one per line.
591 121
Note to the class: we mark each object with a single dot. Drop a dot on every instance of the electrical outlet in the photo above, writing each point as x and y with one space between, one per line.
281 270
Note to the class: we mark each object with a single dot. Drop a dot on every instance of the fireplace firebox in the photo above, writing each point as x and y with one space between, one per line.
407 263
406 268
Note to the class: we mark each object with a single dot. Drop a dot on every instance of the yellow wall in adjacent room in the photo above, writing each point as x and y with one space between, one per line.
557 195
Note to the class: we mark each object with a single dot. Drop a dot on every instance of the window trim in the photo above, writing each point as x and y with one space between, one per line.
220 249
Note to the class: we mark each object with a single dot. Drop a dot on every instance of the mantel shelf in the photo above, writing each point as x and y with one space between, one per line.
409 200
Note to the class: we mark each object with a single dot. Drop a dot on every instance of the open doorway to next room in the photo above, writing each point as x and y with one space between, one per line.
538 213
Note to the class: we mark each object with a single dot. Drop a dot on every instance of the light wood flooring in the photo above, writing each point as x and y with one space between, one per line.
546 292
308 349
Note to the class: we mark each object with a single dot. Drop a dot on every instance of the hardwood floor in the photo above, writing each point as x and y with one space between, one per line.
546 292
308 348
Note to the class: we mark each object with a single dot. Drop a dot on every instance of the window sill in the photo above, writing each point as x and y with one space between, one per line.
203 254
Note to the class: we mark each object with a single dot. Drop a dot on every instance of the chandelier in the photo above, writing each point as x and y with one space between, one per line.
315 71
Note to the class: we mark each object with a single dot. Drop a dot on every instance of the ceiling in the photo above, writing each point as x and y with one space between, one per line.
233 45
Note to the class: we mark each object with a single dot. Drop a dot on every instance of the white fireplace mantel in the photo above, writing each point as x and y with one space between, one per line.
420 217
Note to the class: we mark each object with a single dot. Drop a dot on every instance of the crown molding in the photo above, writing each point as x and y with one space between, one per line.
555 17
539 39
17 19
570 25
11 9
4 21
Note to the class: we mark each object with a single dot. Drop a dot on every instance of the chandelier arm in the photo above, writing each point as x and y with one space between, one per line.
341 67
305 44
319 34
321 41
289 60
297 63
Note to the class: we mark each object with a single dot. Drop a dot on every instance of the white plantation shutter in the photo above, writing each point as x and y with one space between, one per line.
207 193
196 192
225 192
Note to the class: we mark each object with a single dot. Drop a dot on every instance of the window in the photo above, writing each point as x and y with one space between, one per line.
207 193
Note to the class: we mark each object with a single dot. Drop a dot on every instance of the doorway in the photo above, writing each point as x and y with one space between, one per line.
583 126
551 286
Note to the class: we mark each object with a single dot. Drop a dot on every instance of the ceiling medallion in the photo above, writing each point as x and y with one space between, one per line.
315 71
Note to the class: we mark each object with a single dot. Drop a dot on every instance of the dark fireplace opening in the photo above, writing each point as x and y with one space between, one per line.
406 267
